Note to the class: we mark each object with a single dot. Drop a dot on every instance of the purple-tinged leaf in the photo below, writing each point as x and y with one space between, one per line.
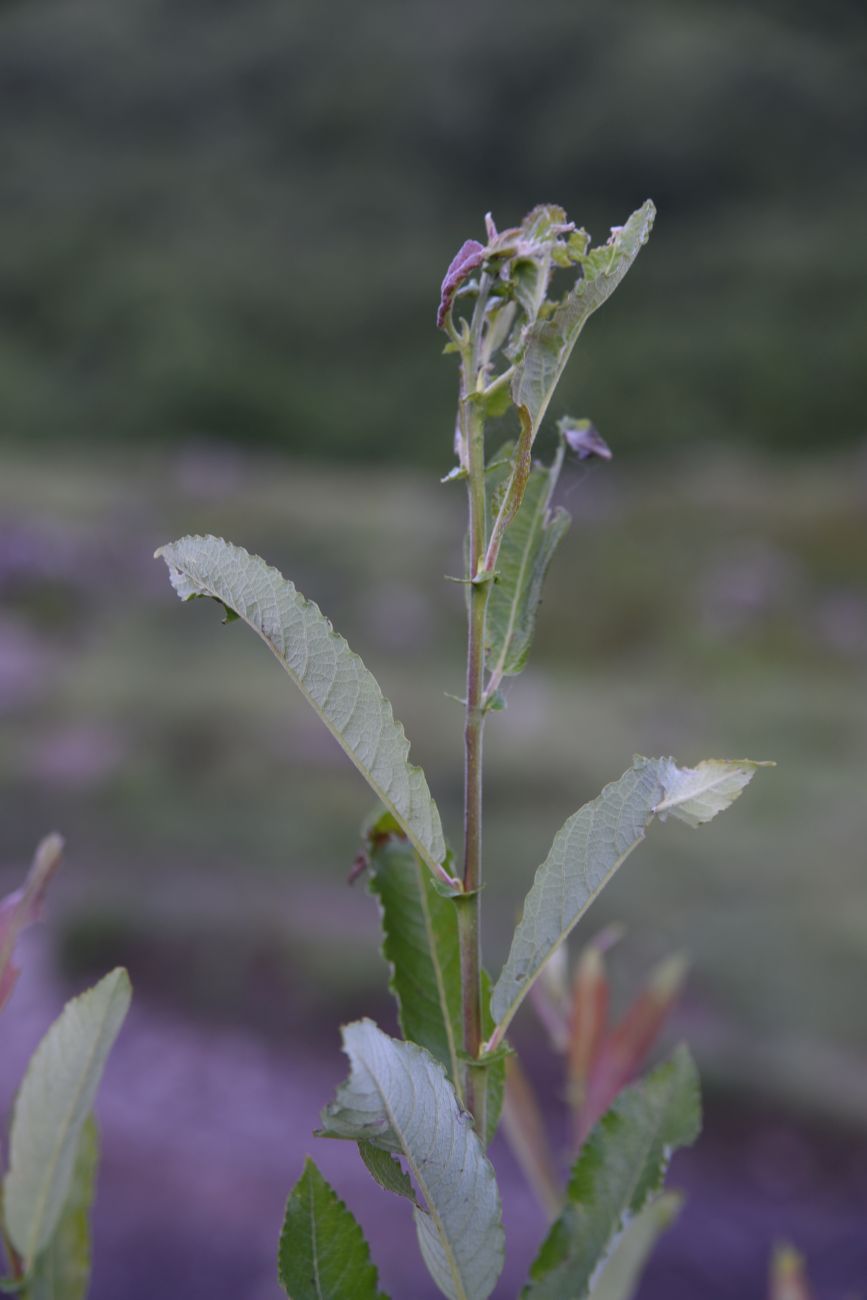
525 1131
582 437
23 907
469 256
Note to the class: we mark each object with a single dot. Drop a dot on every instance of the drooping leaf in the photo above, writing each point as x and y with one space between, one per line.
622 1273
387 1170
621 1167
53 1103
323 1254
548 342
62 1270
525 553
345 695
422 948
467 259
587 851
23 907
397 1097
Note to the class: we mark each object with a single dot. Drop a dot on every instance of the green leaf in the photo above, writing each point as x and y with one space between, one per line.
527 547
323 1254
62 1270
589 848
397 1097
621 1167
421 945
622 1273
51 1108
345 695
696 794
548 342
387 1170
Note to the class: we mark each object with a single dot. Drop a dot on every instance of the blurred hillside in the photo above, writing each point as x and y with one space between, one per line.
232 220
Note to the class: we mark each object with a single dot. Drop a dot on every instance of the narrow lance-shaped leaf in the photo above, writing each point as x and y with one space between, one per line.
62 1270
23 907
622 1273
397 1098
344 693
549 341
323 1254
589 848
621 1167
525 553
51 1108
420 943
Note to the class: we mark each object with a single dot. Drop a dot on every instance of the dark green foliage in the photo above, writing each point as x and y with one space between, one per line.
323 1254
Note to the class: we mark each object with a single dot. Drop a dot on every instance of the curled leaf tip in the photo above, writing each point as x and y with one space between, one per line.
470 255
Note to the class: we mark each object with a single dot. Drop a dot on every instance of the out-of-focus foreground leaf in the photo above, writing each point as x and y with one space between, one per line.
788 1276
23 907
52 1106
621 1167
323 1254
62 1270
333 679
622 1273
397 1098
592 844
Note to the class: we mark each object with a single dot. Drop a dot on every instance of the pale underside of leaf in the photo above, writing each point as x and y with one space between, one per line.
51 1108
622 1274
62 1270
323 1254
696 794
525 553
622 1166
397 1098
587 851
549 342
344 693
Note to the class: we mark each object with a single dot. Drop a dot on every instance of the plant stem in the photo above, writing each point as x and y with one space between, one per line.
472 424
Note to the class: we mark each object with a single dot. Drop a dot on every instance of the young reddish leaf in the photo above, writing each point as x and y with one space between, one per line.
589 1016
788 1276
470 255
23 907
624 1051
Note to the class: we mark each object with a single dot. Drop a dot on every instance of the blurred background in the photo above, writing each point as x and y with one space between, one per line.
222 235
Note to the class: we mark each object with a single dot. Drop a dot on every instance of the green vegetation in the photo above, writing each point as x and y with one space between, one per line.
422 1115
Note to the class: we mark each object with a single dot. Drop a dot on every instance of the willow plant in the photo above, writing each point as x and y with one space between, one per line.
424 1108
